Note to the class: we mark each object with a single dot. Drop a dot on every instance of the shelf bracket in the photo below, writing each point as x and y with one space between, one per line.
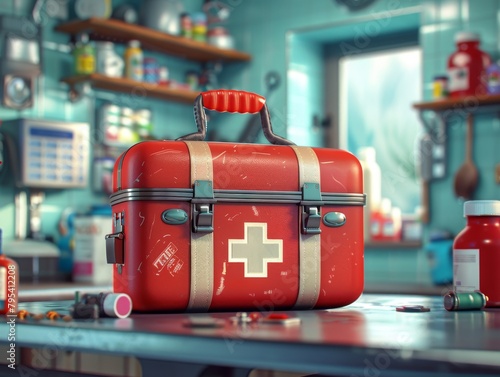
78 90
435 127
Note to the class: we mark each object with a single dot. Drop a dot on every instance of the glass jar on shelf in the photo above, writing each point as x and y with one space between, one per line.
84 56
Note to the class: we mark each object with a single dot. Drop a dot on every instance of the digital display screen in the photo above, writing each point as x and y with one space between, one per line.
47 132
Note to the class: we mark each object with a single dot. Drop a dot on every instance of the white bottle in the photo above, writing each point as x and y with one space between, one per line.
397 222
109 63
372 179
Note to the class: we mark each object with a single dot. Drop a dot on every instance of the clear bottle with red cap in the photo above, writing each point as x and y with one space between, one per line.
467 67
476 251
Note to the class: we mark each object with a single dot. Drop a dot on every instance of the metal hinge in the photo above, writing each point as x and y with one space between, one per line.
115 248
311 208
202 202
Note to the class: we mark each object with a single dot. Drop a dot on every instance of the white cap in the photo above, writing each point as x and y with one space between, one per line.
386 206
367 153
134 43
466 36
482 208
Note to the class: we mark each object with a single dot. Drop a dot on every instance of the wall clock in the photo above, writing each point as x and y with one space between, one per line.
17 92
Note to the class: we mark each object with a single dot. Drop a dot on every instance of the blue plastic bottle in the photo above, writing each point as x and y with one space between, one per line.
493 76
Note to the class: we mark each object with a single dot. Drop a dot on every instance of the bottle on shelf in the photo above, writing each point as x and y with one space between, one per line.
397 224
9 282
84 56
199 28
467 67
372 179
186 25
150 70
109 63
378 219
163 76
386 222
493 75
134 61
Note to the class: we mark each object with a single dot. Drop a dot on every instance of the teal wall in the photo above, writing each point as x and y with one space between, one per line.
440 21
305 88
282 36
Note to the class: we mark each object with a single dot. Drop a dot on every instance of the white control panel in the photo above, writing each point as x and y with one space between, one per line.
51 153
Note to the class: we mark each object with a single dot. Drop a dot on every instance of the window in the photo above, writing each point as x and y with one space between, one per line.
376 93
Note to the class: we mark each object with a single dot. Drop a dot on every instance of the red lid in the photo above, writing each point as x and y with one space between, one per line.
217 31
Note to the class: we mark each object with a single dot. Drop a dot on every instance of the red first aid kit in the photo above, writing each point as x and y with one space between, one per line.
211 226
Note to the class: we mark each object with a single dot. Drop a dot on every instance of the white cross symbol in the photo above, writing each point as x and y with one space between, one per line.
255 250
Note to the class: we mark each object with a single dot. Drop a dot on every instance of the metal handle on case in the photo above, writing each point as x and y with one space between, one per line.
233 101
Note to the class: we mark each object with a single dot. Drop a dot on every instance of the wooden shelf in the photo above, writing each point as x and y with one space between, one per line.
133 87
122 32
459 103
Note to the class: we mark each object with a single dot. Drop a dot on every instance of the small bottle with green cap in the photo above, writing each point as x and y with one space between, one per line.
9 282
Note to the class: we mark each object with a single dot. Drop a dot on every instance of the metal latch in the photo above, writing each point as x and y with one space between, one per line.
115 248
203 218
202 202
311 220
311 208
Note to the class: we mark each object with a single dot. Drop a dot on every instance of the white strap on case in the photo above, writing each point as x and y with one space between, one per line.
202 244
309 244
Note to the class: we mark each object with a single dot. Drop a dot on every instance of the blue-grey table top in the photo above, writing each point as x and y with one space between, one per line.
367 336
